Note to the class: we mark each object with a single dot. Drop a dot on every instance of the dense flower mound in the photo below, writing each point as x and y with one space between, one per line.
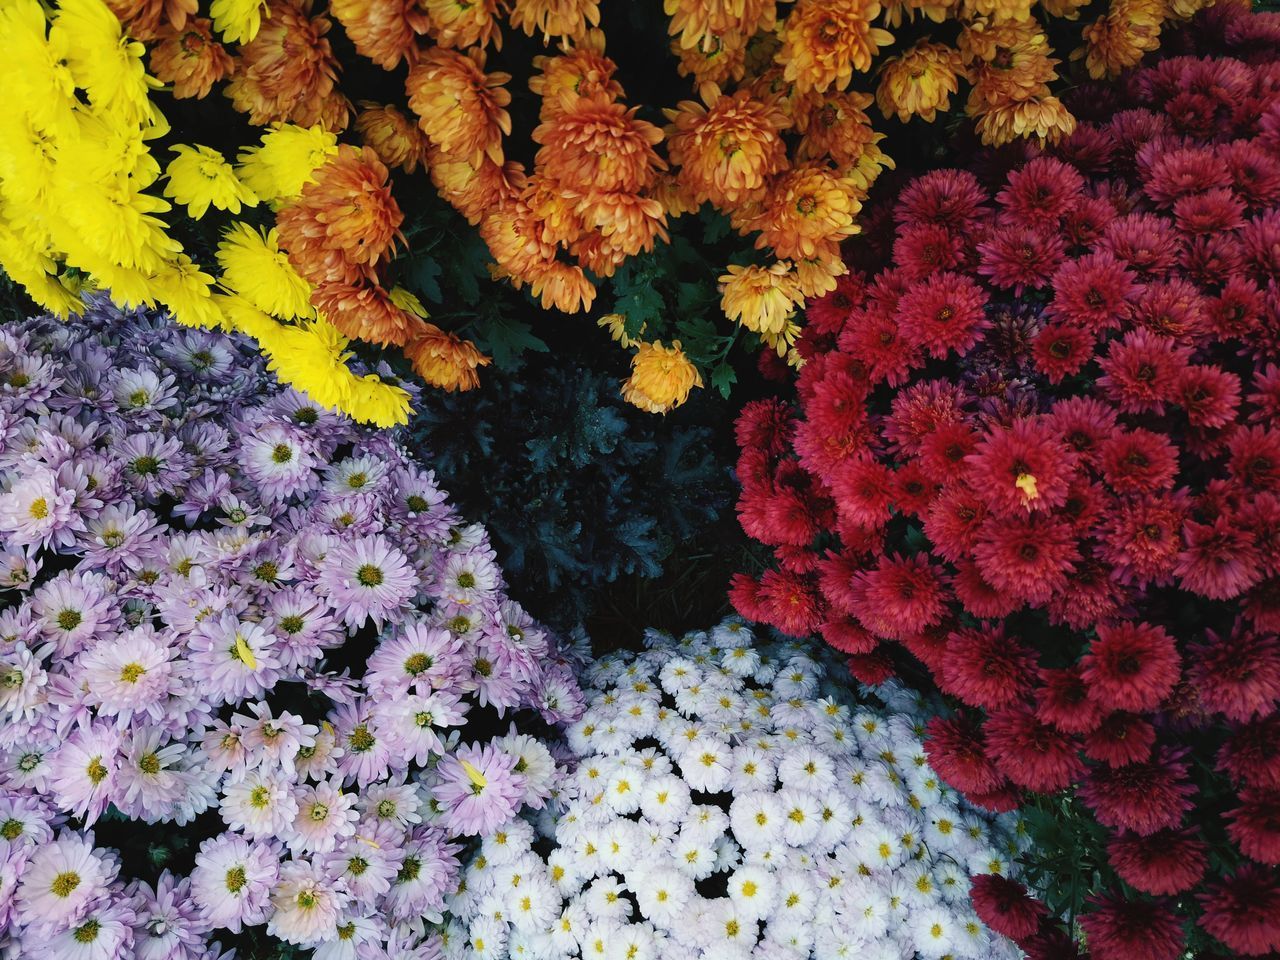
1040 451
136 120
228 611
725 797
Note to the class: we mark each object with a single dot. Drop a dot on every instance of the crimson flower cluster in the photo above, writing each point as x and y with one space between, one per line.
1040 451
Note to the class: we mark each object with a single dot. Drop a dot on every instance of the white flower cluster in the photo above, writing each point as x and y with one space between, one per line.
726 798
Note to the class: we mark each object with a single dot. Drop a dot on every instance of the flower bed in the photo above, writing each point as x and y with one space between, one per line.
725 796
1039 451
229 611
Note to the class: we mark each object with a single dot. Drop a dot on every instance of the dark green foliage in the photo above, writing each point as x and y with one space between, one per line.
576 487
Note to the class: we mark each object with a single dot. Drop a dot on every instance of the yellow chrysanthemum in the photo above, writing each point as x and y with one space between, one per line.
661 377
200 176
1042 117
104 62
807 212
185 289
36 271
237 20
762 299
36 73
616 324
920 82
254 266
286 161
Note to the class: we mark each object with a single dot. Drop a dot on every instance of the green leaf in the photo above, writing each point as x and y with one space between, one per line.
506 339
423 278
715 226
723 378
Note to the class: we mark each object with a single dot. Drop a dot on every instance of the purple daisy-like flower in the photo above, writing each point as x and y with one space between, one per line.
118 536
154 465
169 924
232 880
235 658
478 789
421 657
36 510
82 772
281 460
73 607
428 873
366 756
61 880
367 579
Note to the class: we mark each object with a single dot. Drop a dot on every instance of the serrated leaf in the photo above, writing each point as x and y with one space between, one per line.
723 378
506 339
423 278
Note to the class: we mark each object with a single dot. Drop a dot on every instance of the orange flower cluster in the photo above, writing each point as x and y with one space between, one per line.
339 232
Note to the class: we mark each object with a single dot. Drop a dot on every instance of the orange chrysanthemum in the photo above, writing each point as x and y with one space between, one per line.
149 19
463 23
599 145
344 222
806 212
996 11
445 360
288 71
1041 117
619 225
818 277
1063 9
554 215
459 106
190 59
762 299
1007 63
1114 43
382 30
696 22
675 197
824 41
920 82
583 71
721 59
661 377
725 151
475 189
365 311
391 135
559 286
833 125
513 237
566 19
896 12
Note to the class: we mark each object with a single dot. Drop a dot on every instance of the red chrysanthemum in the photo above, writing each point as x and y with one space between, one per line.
1254 460
1138 461
1061 350
1220 560
1097 292
1122 738
1062 700
986 668
1148 244
848 637
952 198
789 603
1121 929
980 598
918 410
1162 863
1140 372
1171 173
1237 674
957 752
1142 797
764 425
1251 755
1210 212
1021 468
1243 910
1030 753
1005 906
1029 557
1131 666
922 249
946 311
864 491
1143 537
1255 825
1208 395
1021 258
899 596
827 314
1041 192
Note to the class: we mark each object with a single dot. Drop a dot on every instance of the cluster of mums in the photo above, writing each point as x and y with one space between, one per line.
231 612
779 143
1039 452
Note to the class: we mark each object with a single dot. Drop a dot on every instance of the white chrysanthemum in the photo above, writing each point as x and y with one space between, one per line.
307 904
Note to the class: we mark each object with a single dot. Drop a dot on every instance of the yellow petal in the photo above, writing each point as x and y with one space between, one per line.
1027 484
473 774
245 654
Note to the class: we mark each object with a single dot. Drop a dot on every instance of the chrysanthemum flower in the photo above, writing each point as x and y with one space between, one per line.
394 137
1005 906
1122 929
307 904
824 41
343 223
254 266
566 19
459 106
445 360
597 144
661 377
806 212
286 160
288 71
760 298
725 152
1032 754
1040 117
944 312
920 82
190 59
1243 910
237 20
1142 797
1117 41
368 578
479 789
200 177
1166 862
583 71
